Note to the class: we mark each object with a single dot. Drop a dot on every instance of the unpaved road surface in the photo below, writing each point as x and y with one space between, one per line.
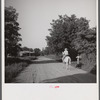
45 70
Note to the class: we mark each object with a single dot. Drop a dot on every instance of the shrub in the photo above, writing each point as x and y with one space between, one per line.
79 65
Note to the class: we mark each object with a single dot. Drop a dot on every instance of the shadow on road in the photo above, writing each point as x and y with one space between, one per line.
46 61
77 78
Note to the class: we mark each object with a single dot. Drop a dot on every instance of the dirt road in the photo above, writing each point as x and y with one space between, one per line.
45 70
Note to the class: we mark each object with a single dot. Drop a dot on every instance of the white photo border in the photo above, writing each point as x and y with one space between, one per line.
72 91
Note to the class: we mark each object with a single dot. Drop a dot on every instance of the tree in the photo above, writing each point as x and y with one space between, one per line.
72 33
27 49
37 51
46 51
86 41
12 36
64 30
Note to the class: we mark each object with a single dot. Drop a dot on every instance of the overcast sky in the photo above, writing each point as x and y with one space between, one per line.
35 16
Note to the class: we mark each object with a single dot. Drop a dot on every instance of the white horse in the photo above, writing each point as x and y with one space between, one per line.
67 61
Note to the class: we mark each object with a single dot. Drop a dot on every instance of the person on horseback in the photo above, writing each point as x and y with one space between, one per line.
66 59
65 53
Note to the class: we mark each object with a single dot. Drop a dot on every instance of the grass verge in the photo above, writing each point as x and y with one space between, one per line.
11 71
14 66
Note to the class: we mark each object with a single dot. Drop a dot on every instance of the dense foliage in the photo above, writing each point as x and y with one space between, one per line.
73 33
12 36
27 49
37 51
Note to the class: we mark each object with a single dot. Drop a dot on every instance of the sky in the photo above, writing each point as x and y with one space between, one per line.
35 17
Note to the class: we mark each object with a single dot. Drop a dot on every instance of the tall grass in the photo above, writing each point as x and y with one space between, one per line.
11 71
14 66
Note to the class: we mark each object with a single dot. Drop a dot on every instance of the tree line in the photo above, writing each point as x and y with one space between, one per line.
12 35
65 32
72 33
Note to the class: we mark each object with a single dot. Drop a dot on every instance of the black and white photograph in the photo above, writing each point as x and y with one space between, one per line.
50 41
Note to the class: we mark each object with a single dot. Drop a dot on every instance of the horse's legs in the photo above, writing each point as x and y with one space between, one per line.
67 65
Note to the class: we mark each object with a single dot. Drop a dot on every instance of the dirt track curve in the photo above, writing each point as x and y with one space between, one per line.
45 70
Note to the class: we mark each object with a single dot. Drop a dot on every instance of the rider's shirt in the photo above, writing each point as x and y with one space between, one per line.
65 52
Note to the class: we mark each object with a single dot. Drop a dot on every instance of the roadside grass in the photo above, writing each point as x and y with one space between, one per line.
12 60
14 66
11 71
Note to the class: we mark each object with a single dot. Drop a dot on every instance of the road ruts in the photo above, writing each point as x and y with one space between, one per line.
45 70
